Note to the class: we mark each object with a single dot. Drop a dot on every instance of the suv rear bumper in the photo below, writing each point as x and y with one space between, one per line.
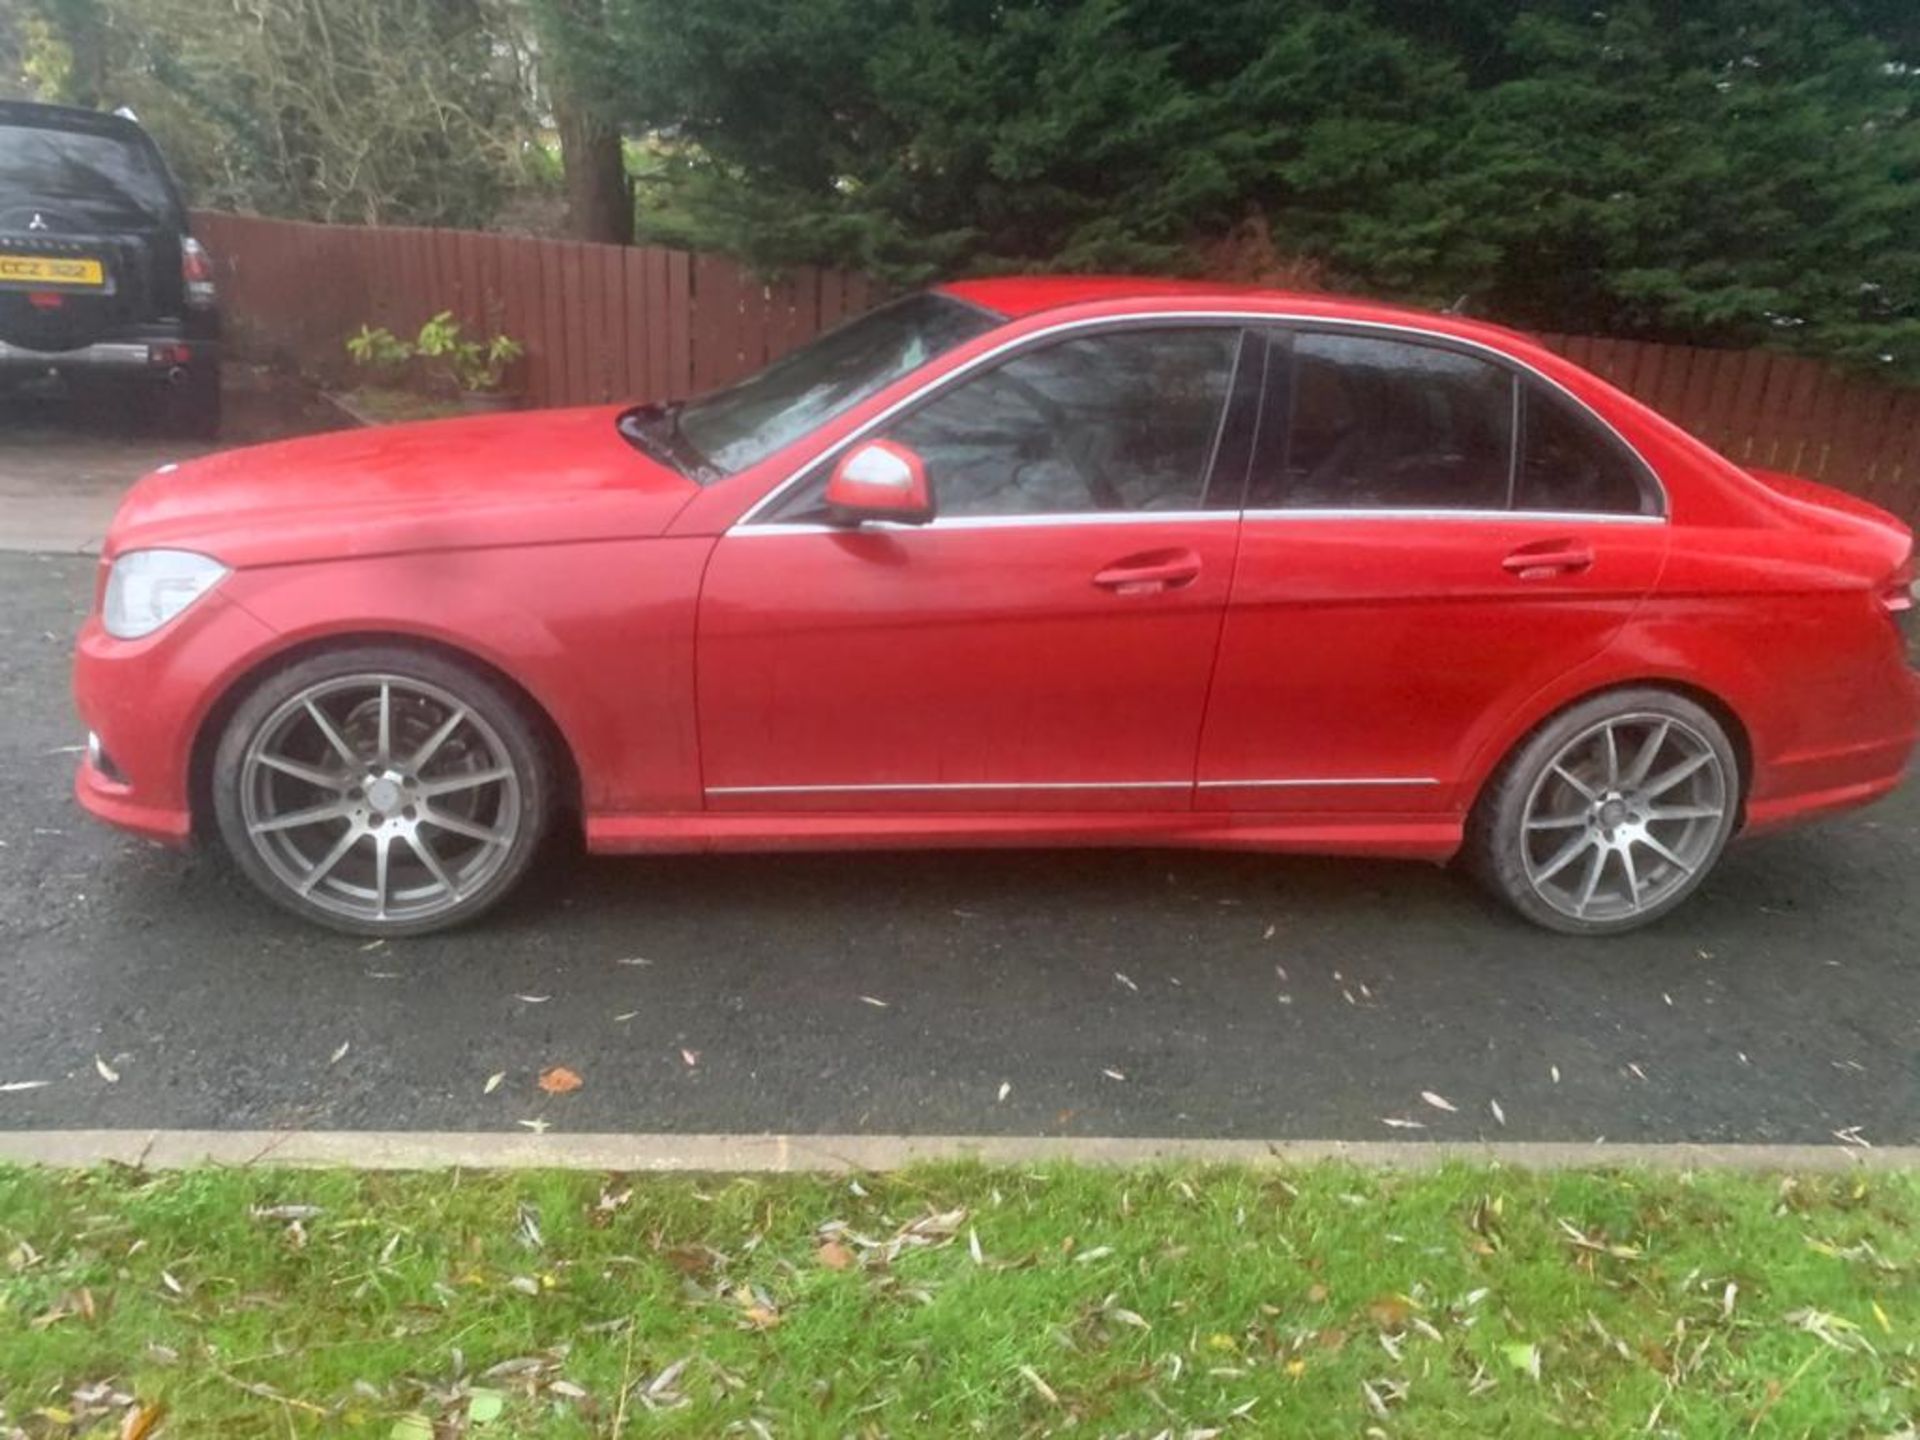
154 351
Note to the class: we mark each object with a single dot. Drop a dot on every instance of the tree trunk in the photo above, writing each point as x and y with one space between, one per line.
599 204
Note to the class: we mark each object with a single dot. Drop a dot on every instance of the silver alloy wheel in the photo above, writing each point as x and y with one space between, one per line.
379 798
1623 816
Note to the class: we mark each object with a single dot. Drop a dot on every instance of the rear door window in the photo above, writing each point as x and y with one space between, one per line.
1377 424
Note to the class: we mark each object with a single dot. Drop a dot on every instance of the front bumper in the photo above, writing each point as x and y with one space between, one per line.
145 701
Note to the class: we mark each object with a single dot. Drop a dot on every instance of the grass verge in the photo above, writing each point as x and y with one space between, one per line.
1468 1301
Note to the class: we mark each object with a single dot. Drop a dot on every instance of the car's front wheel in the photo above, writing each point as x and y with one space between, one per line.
1610 814
381 790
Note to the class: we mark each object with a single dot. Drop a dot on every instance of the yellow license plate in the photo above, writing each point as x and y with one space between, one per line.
51 270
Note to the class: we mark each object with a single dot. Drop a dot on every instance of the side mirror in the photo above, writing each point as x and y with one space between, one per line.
880 480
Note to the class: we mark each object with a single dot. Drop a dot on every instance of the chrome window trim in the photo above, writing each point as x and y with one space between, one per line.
1195 517
1549 517
1050 520
1241 317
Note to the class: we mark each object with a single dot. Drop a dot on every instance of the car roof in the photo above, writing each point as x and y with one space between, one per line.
1020 296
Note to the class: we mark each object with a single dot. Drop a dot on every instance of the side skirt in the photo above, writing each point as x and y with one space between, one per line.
1410 837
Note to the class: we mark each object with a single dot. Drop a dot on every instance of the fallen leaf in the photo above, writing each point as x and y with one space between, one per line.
1113 1074
559 1080
1040 1387
1523 1357
1554 1070
534 999
1498 1113
567 1388
341 1053
1389 1312
139 1421
1396 1123
1439 1102
1006 1089
15 1086
692 1057
539 1127
973 1249
1126 982
287 1212
761 1317
870 1000
624 1016
633 960
107 1072
484 1406
411 1427
371 946
835 1256
493 1082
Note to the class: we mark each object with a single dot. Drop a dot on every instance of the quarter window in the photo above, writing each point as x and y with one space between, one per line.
1567 462
1384 424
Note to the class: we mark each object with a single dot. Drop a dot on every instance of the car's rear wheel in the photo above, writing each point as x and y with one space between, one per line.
382 790
1609 815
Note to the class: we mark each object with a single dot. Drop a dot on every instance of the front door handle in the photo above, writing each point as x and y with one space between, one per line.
1150 572
1545 559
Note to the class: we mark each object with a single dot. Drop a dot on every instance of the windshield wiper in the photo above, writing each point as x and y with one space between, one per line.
654 430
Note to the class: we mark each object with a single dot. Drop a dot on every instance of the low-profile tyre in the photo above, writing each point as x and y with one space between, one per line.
382 790
1610 814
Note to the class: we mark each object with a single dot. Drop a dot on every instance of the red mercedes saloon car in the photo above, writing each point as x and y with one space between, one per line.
1011 562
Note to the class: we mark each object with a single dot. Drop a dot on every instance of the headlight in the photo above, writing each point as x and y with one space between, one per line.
147 588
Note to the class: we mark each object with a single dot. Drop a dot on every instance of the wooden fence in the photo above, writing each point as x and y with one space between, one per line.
599 322
604 322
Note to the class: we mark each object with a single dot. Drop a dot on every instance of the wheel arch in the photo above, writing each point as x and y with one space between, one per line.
1714 704
569 808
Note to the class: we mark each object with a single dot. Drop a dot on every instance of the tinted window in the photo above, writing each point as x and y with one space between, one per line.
1568 462
1121 421
746 422
1386 424
99 178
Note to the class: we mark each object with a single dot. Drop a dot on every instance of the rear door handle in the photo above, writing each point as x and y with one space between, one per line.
1150 572
1547 558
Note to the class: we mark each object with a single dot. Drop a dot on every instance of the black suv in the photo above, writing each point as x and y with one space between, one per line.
99 277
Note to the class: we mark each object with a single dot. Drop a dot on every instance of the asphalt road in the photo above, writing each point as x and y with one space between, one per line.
1077 993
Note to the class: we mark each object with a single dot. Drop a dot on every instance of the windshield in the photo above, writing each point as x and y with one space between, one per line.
101 177
746 422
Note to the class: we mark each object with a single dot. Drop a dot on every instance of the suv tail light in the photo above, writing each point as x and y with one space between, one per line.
196 273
